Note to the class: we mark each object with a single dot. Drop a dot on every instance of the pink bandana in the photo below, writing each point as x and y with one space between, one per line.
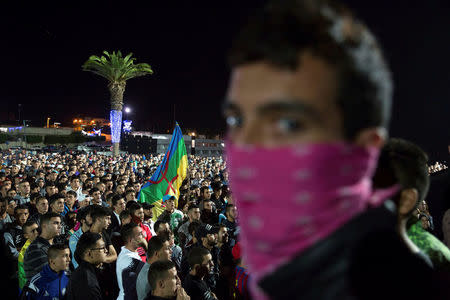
290 197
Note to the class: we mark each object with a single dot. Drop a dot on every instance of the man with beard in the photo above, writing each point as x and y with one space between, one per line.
231 223
183 232
148 215
84 217
164 282
217 197
209 215
201 264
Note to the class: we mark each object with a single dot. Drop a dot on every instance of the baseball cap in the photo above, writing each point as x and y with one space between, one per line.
167 197
205 229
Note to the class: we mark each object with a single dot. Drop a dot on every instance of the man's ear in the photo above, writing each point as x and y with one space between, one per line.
161 284
408 200
371 137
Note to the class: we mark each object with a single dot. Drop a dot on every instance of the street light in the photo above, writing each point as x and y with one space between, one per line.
127 110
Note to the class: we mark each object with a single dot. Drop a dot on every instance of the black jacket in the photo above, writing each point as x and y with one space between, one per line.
84 283
364 259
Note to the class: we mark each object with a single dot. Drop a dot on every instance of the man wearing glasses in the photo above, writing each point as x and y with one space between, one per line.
85 280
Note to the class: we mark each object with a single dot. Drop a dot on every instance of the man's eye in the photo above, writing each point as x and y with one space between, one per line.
233 121
288 125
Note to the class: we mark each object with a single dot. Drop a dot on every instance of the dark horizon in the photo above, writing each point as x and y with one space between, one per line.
187 45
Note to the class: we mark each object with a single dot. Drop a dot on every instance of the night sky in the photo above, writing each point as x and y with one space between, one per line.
186 44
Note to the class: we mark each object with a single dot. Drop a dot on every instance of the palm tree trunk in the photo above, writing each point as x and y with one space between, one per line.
116 90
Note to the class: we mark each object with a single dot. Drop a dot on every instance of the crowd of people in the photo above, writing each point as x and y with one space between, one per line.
323 205
72 228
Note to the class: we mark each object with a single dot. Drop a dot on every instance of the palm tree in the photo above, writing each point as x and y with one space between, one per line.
117 70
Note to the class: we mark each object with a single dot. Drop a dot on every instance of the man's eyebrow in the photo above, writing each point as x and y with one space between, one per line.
278 106
229 105
288 106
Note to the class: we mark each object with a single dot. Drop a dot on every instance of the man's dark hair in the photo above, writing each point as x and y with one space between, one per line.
228 207
216 186
27 224
192 228
154 245
71 192
50 184
93 190
99 212
116 198
84 212
38 199
45 218
158 271
202 189
134 207
54 250
55 197
86 242
192 206
20 206
126 231
158 224
124 214
404 163
284 29
195 257
34 197
73 177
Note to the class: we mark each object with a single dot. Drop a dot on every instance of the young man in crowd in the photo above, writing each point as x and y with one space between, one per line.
4 216
158 250
148 217
405 163
310 92
205 194
161 227
70 202
230 222
76 187
101 219
201 264
30 233
96 197
85 281
137 214
209 215
171 215
36 255
51 282
164 282
118 205
56 203
50 189
13 237
129 261
23 197
216 197
42 209
84 217
183 233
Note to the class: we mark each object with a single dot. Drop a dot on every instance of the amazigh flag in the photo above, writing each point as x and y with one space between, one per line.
168 177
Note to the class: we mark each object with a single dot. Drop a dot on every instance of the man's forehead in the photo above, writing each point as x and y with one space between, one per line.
313 82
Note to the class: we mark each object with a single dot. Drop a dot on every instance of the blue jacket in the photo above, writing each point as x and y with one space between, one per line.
48 285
